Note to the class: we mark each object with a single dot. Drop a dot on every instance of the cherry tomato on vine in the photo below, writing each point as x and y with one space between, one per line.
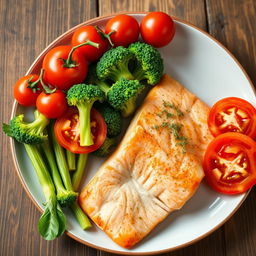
157 29
25 92
52 105
65 66
230 163
232 115
94 34
67 131
126 30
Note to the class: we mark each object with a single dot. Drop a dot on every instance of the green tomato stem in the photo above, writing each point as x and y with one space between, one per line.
69 63
106 36
80 216
78 174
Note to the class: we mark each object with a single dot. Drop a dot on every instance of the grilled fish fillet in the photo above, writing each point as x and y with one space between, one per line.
156 168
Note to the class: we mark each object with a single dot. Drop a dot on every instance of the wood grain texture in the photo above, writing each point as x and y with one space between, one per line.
28 28
232 22
192 11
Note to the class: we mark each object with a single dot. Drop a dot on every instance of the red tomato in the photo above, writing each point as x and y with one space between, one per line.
232 115
52 105
67 131
63 75
230 163
126 30
157 29
23 94
85 33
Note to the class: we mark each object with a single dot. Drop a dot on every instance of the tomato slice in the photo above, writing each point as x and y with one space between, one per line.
232 115
67 131
230 163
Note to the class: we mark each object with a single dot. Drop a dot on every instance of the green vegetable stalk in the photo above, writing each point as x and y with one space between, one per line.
61 160
65 197
83 96
71 159
63 168
78 174
53 222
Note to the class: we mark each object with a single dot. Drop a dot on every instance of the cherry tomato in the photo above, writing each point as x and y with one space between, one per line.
52 105
230 163
61 74
23 94
92 33
67 131
232 115
126 30
157 29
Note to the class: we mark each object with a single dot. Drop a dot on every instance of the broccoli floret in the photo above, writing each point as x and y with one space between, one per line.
114 64
112 119
107 147
83 96
28 133
149 64
31 134
92 78
123 94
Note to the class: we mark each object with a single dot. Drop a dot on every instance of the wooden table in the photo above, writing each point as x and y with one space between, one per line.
28 26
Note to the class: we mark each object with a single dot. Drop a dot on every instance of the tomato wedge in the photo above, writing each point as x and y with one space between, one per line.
230 163
67 131
232 115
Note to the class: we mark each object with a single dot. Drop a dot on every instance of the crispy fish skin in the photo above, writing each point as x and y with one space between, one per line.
151 173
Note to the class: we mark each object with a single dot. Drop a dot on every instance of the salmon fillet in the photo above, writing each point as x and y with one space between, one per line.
156 168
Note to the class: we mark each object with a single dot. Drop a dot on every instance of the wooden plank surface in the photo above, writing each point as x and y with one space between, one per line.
28 26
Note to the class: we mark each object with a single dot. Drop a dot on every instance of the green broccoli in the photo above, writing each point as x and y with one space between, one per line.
107 147
114 64
149 64
28 133
52 223
92 78
123 94
112 119
83 96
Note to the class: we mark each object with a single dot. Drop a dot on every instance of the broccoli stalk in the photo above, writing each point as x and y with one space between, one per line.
65 197
63 167
61 160
78 174
71 159
52 223
83 96
92 78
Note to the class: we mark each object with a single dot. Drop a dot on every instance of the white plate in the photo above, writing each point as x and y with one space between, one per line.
207 69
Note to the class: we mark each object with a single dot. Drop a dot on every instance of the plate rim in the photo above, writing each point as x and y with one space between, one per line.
19 173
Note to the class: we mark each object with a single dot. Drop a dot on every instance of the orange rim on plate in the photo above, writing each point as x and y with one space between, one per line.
14 108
